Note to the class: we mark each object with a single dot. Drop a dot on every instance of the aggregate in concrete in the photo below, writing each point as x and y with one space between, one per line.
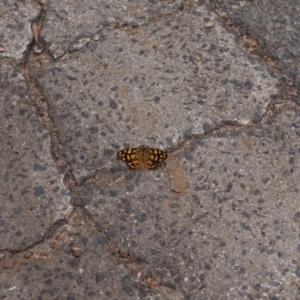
66 27
153 85
273 26
219 219
33 196
16 20
235 229
82 268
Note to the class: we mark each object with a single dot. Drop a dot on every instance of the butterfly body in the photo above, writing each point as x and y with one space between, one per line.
135 158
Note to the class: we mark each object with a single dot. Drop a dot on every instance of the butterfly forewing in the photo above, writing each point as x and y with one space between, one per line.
132 157
153 157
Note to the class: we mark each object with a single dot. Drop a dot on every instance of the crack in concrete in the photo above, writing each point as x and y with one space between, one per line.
39 101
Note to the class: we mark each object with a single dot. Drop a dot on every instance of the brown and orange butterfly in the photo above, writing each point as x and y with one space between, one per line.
135 158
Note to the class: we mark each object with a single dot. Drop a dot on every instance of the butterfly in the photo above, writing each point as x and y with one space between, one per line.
135 158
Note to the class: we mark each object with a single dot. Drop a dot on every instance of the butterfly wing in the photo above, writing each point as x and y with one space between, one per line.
132 157
152 157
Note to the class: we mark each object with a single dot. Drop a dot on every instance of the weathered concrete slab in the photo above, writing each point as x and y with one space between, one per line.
218 220
70 27
81 268
270 26
33 196
174 77
233 232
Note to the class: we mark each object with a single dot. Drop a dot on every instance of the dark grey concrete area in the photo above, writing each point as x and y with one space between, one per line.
272 28
33 196
214 84
83 268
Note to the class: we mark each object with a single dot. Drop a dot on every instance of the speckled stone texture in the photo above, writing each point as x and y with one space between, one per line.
236 229
15 24
33 196
275 25
66 27
219 219
174 77
92 275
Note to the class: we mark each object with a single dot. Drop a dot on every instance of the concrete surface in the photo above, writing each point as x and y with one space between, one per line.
215 85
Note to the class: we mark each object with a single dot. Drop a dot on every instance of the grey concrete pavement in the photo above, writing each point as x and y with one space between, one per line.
219 219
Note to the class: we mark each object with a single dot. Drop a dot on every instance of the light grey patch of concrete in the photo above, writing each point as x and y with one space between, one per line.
77 45
94 274
32 194
67 21
58 50
15 24
152 85
273 27
235 232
